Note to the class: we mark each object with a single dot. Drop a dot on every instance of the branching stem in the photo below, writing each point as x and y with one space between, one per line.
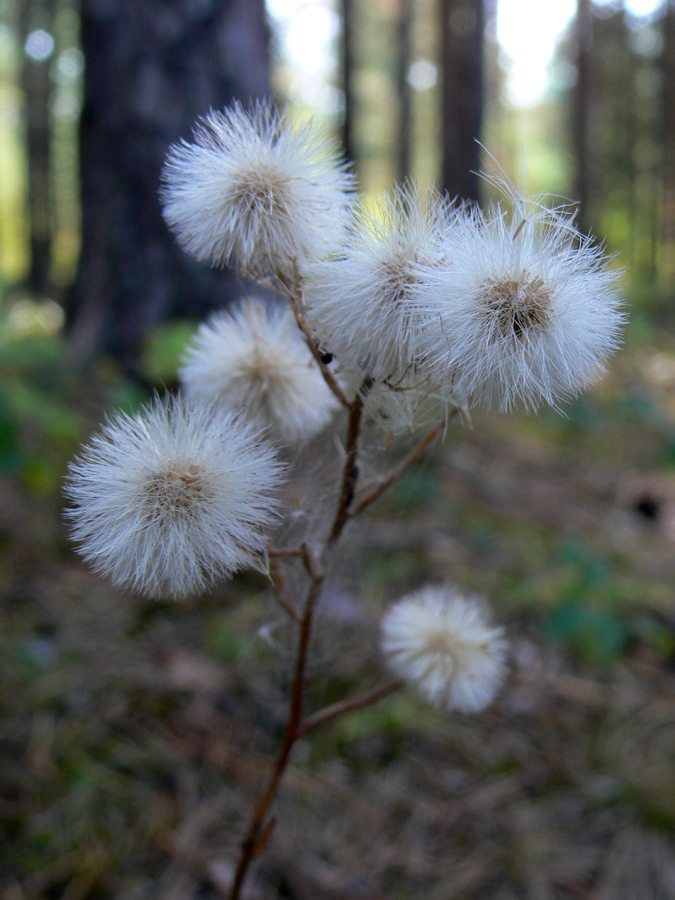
350 473
259 828
335 710
398 471
261 824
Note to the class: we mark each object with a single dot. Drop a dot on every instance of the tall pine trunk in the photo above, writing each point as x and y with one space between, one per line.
403 59
462 29
667 267
151 68
582 110
37 91
347 72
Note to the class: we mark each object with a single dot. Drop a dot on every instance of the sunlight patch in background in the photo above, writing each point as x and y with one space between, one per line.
527 30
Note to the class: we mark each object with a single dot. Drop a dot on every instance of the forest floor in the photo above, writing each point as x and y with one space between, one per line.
135 734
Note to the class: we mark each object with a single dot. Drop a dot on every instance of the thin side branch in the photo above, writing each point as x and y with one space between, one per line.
398 471
293 298
278 553
335 710
350 473
281 592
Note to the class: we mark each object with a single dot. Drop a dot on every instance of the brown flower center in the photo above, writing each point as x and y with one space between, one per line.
260 191
172 492
517 306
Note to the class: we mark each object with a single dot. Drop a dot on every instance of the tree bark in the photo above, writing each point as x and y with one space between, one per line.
581 110
152 67
667 267
347 71
404 58
462 30
37 92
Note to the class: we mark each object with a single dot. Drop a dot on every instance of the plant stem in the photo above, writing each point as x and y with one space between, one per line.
400 470
281 589
260 826
335 710
293 295
350 473
258 830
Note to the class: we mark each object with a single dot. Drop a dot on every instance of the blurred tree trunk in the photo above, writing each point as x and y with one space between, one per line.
36 85
347 68
581 110
462 30
151 68
404 148
667 268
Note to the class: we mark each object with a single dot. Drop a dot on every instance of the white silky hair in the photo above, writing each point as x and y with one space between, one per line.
256 190
362 300
527 310
439 641
171 499
254 357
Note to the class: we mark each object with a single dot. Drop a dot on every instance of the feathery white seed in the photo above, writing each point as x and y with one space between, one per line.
256 191
253 357
525 311
363 300
439 641
167 501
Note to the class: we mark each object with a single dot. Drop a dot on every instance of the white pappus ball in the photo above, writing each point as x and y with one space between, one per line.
363 300
254 358
171 499
256 190
526 311
439 641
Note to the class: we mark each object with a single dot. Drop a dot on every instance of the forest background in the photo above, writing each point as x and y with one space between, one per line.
133 734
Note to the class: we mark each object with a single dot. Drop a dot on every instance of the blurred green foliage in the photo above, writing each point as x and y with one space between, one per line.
40 423
163 350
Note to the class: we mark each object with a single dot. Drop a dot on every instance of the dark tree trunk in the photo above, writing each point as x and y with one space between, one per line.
404 149
581 111
37 91
462 29
152 67
347 68
667 267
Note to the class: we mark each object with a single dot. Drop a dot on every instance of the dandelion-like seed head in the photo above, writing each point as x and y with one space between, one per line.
363 301
169 500
256 191
440 642
526 310
254 358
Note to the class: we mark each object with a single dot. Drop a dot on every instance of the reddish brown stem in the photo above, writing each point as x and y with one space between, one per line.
293 295
335 710
275 553
281 589
400 470
255 833
350 473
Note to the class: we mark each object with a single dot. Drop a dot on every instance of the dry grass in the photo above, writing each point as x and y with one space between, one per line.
134 735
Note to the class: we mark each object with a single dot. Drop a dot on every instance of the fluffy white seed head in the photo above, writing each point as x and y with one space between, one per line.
440 642
526 311
363 301
257 191
253 358
171 499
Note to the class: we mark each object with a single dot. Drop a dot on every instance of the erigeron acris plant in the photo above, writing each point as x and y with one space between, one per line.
389 310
